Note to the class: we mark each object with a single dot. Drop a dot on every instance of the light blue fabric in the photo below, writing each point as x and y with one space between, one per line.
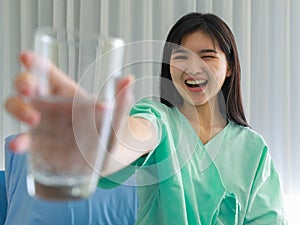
112 207
3 200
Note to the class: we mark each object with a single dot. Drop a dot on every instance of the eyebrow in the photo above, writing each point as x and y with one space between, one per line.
208 51
182 50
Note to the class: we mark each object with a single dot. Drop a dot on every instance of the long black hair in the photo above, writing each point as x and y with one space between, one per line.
218 30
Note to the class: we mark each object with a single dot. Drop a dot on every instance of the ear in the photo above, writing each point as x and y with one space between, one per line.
228 72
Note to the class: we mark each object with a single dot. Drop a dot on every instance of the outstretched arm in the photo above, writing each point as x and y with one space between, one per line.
134 137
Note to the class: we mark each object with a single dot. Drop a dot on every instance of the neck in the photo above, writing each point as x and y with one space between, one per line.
206 119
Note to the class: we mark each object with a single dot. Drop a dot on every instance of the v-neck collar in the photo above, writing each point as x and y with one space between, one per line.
213 147
214 138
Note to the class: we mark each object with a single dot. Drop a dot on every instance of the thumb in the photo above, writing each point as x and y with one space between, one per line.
124 101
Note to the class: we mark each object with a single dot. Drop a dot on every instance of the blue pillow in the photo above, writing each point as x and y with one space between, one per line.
116 206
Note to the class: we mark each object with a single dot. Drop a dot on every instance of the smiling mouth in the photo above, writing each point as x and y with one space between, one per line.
196 83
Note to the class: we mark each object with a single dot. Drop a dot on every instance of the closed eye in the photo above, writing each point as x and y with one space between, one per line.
208 57
180 57
180 54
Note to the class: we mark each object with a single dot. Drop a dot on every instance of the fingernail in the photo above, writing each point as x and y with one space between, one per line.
19 145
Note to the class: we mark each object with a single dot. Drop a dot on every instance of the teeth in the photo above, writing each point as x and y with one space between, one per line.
195 82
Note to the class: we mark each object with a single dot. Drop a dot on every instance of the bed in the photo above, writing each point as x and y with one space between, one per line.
117 206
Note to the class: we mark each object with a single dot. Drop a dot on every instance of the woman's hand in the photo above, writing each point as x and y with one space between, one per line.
26 85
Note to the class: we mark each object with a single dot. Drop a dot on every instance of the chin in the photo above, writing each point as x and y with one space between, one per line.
197 102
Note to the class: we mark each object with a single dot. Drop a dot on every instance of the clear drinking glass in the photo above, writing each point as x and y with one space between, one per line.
69 144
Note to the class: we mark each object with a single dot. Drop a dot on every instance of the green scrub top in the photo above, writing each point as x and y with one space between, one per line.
229 180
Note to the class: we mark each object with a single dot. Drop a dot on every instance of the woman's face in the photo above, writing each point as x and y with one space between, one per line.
198 68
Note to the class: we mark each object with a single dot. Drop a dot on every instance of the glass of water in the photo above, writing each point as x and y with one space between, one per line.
69 144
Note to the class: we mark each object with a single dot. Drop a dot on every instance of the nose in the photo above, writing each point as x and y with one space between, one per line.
195 65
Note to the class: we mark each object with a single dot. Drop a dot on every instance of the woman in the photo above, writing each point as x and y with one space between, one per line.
195 157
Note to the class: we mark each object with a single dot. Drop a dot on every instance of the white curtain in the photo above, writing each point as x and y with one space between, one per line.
267 34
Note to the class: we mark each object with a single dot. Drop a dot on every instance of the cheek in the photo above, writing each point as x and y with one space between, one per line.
178 66
221 73
175 72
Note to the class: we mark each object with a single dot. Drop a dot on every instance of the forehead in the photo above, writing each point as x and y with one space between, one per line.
199 40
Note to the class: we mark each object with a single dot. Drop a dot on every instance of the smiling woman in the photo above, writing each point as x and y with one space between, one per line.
267 37
207 161
204 51
198 68
201 133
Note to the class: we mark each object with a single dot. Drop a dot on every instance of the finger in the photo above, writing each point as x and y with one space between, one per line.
59 82
124 83
23 111
26 84
124 95
124 102
20 144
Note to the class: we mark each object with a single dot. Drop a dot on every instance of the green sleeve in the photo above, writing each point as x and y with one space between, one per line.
117 178
265 205
146 109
